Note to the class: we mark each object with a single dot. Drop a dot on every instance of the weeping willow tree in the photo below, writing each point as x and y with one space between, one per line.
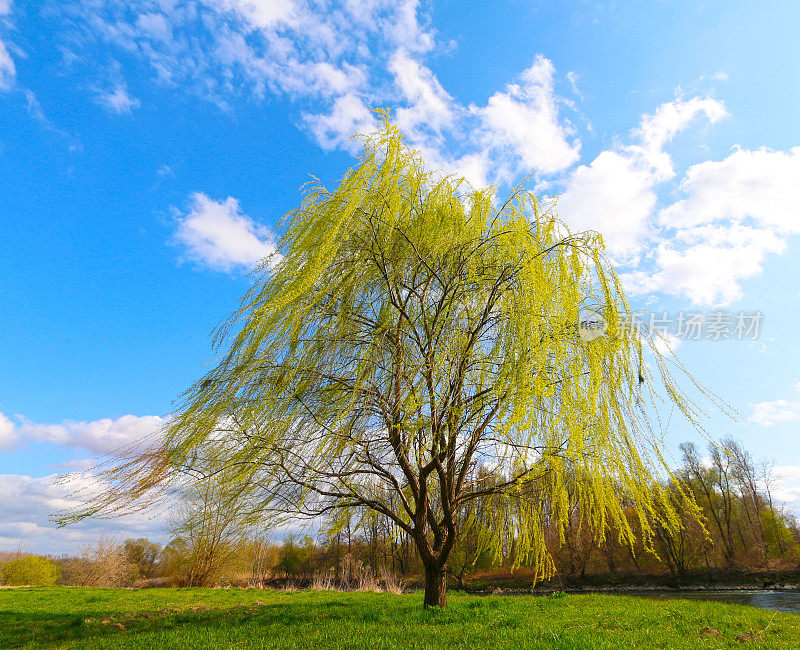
411 337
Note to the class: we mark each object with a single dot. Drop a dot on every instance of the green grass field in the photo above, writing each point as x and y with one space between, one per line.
233 618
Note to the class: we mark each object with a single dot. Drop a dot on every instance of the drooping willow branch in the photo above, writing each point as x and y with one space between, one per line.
416 350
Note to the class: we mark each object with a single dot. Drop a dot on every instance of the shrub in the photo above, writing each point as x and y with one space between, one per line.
102 564
31 570
142 554
297 560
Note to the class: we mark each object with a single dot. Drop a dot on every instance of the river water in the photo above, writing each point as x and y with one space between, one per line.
782 601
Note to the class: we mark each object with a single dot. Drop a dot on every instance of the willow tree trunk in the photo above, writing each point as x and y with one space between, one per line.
435 586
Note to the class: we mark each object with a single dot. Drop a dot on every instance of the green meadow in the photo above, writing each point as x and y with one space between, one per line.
73 617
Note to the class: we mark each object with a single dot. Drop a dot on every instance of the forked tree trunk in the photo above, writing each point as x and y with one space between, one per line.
435 586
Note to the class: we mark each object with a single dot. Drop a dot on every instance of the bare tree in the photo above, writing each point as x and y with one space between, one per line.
211 522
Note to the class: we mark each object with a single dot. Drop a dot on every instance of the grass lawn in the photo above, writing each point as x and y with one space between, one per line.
225 618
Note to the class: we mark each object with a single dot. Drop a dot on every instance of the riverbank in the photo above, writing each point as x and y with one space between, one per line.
626 589
521 582
202 618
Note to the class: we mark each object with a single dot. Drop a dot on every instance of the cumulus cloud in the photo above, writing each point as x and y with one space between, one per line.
785 485
612 195
518 132
616 193
336 128
335 59
708 264
781 410
524 121
758 185
27 503
731 215
429 103
338 61
669 119
9 438
97 436
736 212
218 235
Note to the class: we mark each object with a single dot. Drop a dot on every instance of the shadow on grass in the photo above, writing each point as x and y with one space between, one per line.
32 629
45 628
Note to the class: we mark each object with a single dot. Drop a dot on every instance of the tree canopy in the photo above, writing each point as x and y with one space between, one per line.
412 336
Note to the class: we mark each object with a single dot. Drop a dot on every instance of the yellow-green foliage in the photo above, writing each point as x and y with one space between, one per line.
30 570
412 335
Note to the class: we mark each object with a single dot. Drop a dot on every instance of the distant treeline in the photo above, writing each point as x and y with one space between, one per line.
740 531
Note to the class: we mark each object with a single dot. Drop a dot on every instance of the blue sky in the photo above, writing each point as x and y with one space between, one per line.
147 149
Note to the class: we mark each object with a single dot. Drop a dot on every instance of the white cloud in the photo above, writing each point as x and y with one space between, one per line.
118 100
76 465
405 29
306 49
524 120
572 77
759 185
218 235
666 343
781 410
9 438
479 168
614 196
708 264
260 13
8 71
329 80
516 133
785 486
337 61
98 436
5 7
155 25
616 193
519 131
348 116
736 213
27 503
430 105
334 59
669 119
